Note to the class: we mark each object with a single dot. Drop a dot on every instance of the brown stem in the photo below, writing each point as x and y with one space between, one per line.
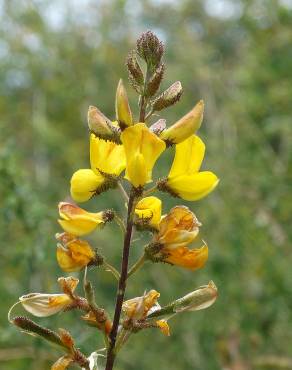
122 285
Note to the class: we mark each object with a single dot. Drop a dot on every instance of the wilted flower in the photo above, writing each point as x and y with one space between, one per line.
75 220
73 254
142 149
137 309
148 212
176 230
62 363
186 126
107 161
184 179
42 304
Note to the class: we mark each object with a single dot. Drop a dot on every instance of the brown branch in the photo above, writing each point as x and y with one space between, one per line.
122 284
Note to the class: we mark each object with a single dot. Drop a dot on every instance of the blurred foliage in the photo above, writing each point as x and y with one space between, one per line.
58 57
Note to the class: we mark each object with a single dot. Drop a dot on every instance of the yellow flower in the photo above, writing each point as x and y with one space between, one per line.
148 211
107 161
75 220
184 179
186 126
73 254
176 230
142 149
43 305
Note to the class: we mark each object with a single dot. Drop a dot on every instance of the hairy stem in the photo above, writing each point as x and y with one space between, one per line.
122 284
137 265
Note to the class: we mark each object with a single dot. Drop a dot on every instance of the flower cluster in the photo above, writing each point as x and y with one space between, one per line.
123 153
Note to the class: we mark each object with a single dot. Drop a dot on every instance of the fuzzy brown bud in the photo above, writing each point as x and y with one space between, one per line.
150 49
155 81
135 69
168 97
101 126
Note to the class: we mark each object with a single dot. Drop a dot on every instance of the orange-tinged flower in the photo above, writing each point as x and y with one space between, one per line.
176 231
188 258
73 254
75 220
138 308
178 228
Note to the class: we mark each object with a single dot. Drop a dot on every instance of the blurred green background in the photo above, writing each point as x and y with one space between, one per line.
57 58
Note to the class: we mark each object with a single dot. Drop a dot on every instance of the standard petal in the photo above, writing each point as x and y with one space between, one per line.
84 183
188 157
149 208
43 305
193 187
106 156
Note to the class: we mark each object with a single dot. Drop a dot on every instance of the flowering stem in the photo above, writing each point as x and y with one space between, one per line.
149 191
111 268
137 265
122 283
120 223
123 191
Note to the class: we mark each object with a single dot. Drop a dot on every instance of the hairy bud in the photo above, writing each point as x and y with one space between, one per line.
168 97
186 126
31 327
155 81
134 69
150 49
101 126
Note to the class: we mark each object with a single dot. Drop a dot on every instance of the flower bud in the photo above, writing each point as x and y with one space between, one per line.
158 126
123 110
168 97
155 81
101 126
136 76
30 327
150 49
199 299
185 127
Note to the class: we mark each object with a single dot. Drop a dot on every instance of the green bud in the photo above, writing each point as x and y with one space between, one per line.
30 327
